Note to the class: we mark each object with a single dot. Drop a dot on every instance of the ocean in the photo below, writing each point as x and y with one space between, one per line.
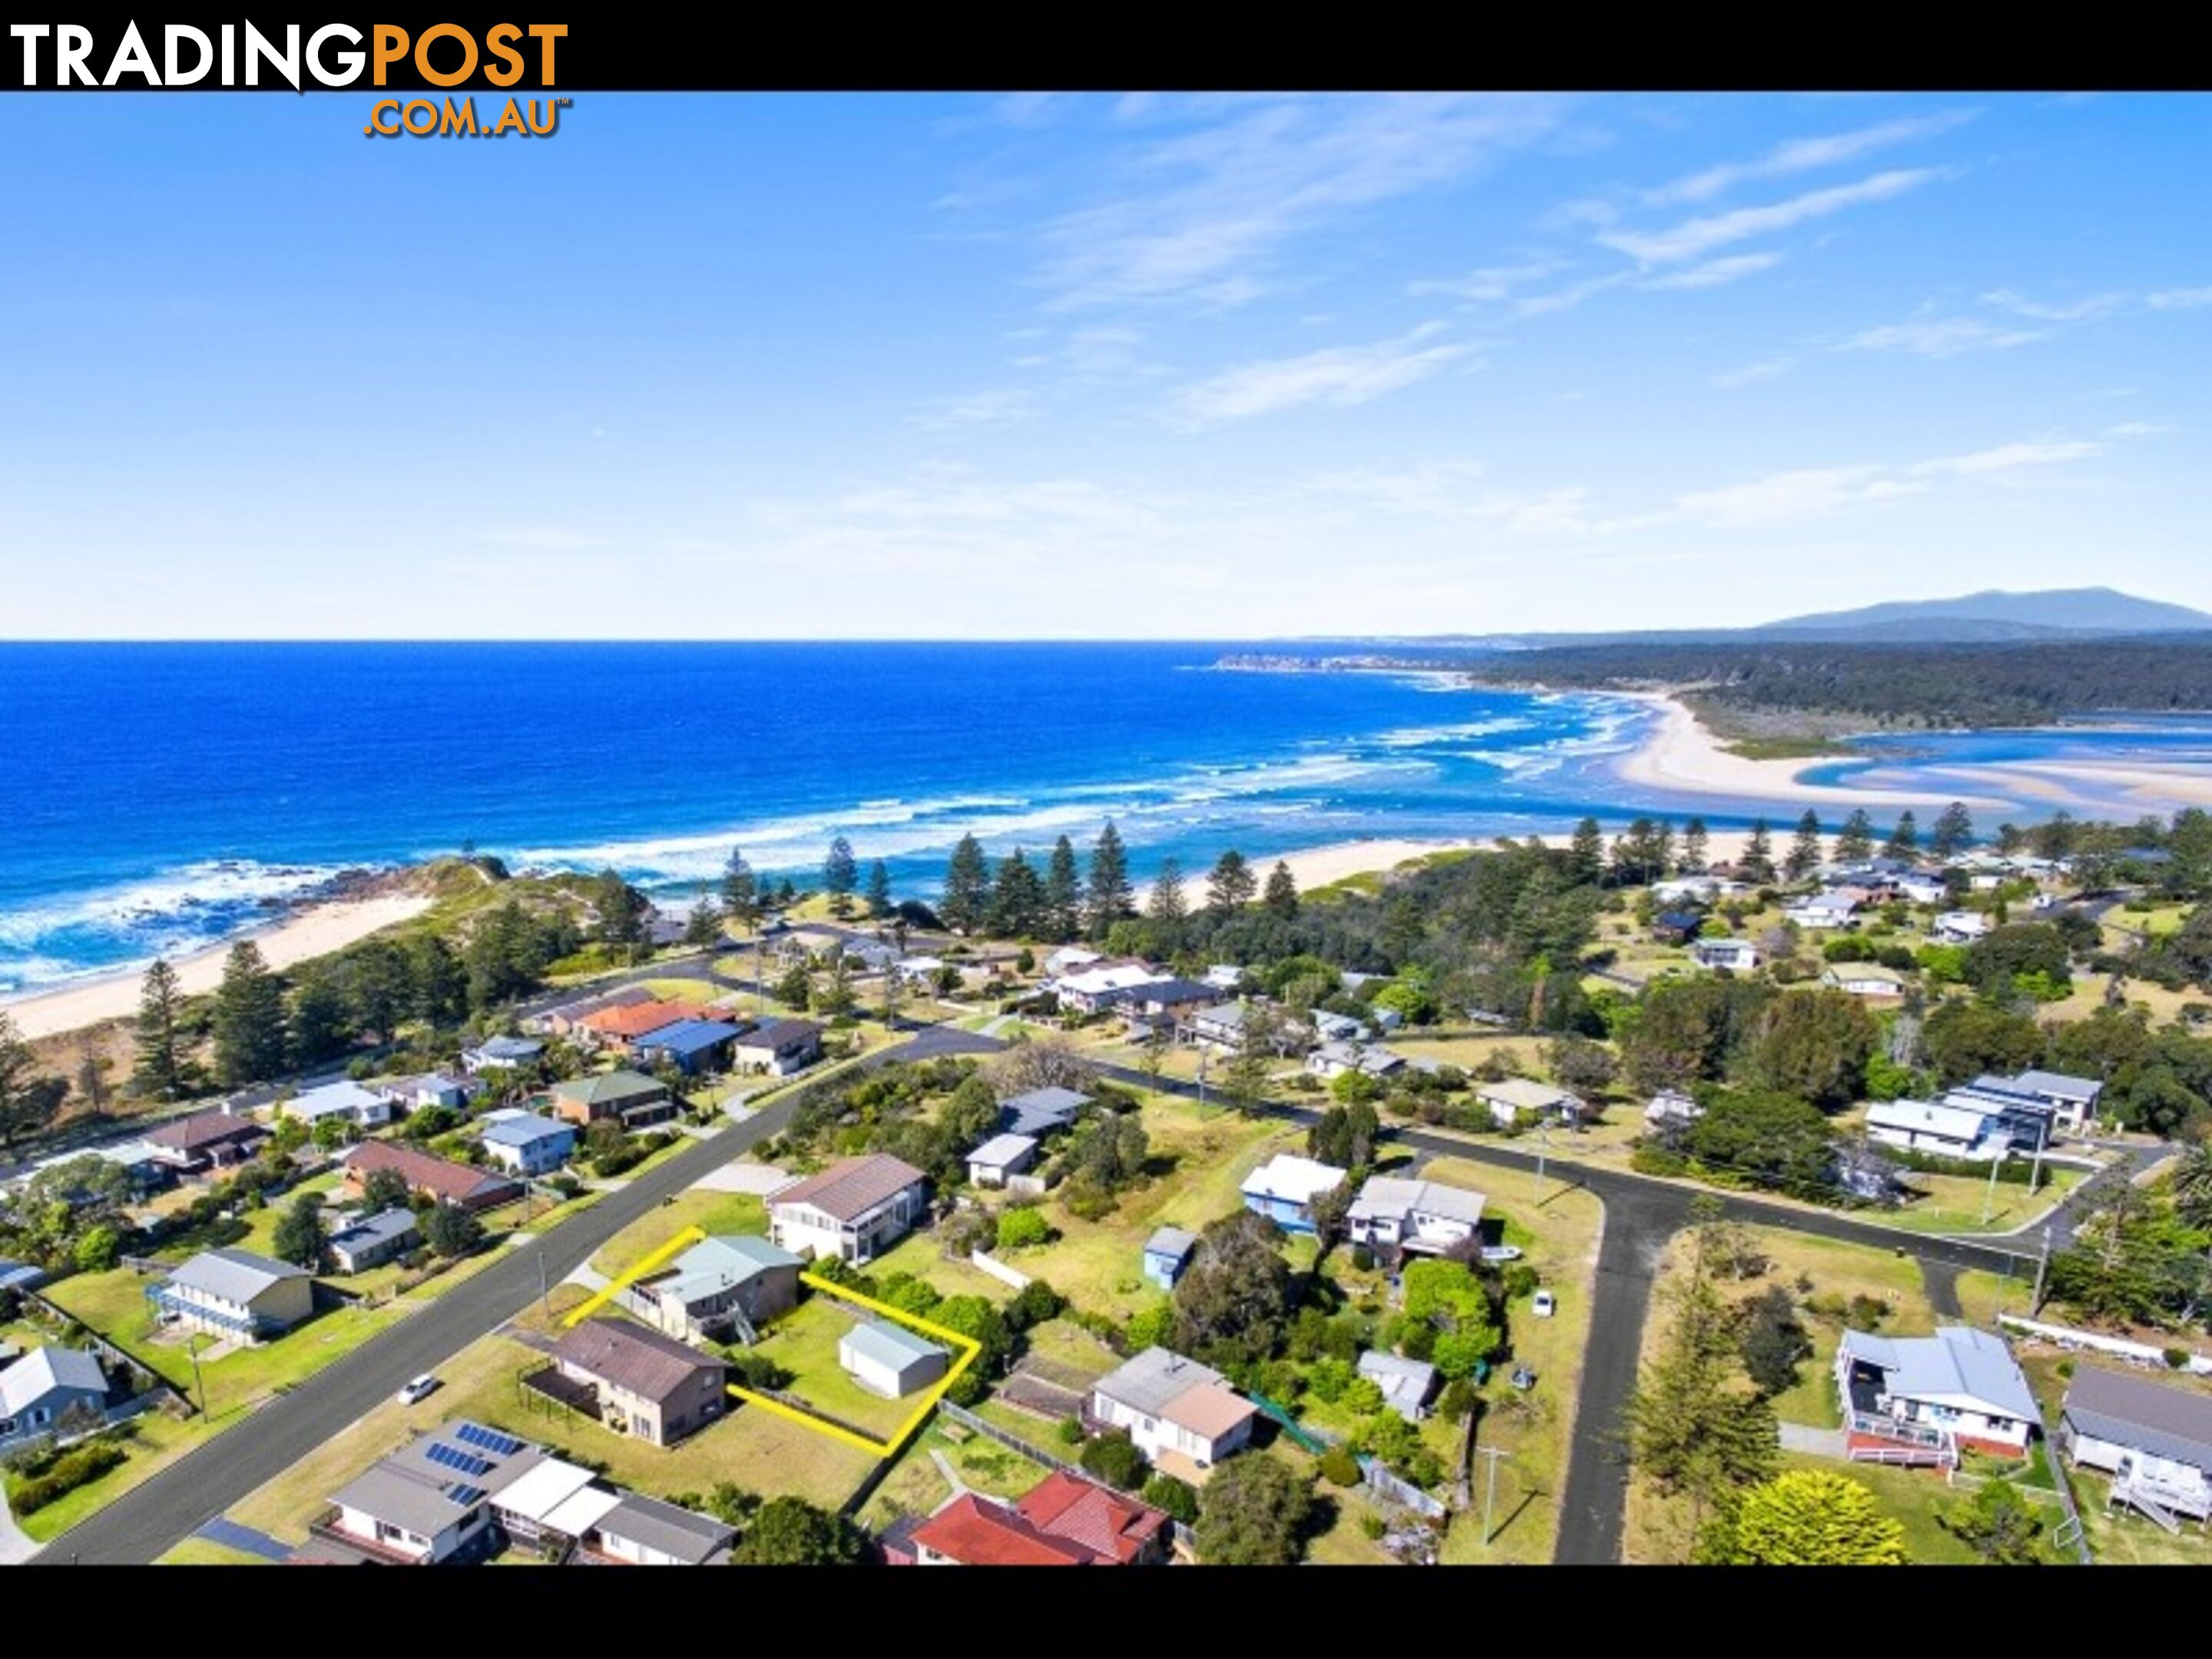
155 798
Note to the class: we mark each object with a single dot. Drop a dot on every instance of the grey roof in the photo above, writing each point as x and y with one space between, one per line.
665 1529
21 1275
1040 1110
890 1345
1000 1151
2154 1418
720 1263
1389 1197
525 1129
233 1275
610 1088
381 1228
1957 1361
2060 1085
1406 1383
401 1498
507 1048
1151 1380
41 1371
1173 1243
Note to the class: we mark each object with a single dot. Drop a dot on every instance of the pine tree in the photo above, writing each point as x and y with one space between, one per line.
1063 894
740 892
1807 1518
1281 898
1855 842
704 925
878 893
1232 885
1903 841
1586 855
621 910
1165 904
1111 896
1016 897
317 1026
27 1102
1954 831
1759 853
841 874
967 887
1805 849
249 1019
1693 846
162 1072
834 996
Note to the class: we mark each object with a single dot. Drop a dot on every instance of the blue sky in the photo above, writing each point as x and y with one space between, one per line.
724 366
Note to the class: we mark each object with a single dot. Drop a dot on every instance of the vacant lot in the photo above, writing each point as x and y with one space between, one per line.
709 1211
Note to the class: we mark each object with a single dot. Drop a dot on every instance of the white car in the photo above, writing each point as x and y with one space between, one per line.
1545 1304
1501 1253
421 1387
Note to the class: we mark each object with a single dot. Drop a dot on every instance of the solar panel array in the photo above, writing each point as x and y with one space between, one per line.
465 1495
498 1444
453 1457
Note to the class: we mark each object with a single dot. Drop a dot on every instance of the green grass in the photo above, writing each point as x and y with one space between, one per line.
1912 1498
153 1440
205 1552
1952 1203
917 1486
709 1211
805 1342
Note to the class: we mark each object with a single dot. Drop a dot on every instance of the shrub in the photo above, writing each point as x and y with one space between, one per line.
1114 1458
755 1369
2176 1359
1340 1468
1362 1396
1327 1379
1373 1525
79 1466
1022 1226
1070 1431
1153 1327
1520 1279
1867 1311
1177 1497
1037 1302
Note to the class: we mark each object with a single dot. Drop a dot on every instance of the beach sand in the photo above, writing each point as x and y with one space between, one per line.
314 932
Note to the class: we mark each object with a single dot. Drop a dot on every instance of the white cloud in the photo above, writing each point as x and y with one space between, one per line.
1001 406
1567 299
537 539
1805 155
1766 369
1694 238
1208 210
1793 496
1489 281
1714 272
2088 309
1340 376
2007 457
1941 337
2179 299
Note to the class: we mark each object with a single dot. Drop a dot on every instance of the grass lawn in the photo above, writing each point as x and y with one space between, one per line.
805 1342
1558 1227
917 1486
1912 1498
204 1552
711 1211
922 1255
1952 1203
1342 1543
2122 1538
153 1440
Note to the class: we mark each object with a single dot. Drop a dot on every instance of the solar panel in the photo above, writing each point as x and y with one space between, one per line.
498 1444
465 1495
453 1457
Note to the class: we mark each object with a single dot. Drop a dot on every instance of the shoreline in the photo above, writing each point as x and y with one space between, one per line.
315 930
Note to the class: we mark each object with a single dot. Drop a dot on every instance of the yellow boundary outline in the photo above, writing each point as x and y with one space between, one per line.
968 1349
631 1274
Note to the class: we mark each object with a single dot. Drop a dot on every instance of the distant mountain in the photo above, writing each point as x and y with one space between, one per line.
1998 615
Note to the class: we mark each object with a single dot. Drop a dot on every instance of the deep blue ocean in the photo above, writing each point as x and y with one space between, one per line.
153 798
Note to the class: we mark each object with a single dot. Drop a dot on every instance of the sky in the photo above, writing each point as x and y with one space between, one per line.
1090 366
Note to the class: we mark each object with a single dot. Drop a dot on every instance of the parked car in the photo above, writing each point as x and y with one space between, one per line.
420 1389
1501 1253
1545 1304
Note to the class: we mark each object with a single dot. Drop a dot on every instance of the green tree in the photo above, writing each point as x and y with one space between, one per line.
967 897
1176 1497
1113 1458
249 1019
1586 855
1855 841
740 892
163 1070
790 1532
1109 896
1252 1512
1233 1302
1018 901
451 1231
301 1234
1695 840
835 996
1244 1081
1166 907
704 924
1231 885
1808 1518
1814 1045
1772 1340
841 874
1280 900
1903 841
795 989
385 1190
1998 1524
1804 848
1021 1226
1063 894
621 911
878 893
1962 1039
1345 1135
1954 831
437 982
318 1027
1759 853
27 1101
377 991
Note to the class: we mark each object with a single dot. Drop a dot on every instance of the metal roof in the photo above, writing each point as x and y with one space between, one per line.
1389 1197
666 1529
1001 1152
717 1264
41 1371
690 1037
233 1275
525 1129
381 1228
888 1344
2154 1418
610 1088
849 1189
1292 1179
1173 1243
1147 1382
1957 1364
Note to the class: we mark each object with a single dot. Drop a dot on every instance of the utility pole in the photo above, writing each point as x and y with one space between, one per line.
1989 1196
2042 1266
199 1384
1543 1146
1490 1487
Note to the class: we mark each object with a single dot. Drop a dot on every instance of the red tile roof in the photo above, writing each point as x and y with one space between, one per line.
977 1533
638 1019
456 1183
1082 1512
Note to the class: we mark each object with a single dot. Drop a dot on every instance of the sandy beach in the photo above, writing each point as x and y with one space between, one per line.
314 932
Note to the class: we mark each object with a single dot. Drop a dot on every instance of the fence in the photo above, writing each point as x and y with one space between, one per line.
998 1270
1007 1437
2066 1336
1404 1493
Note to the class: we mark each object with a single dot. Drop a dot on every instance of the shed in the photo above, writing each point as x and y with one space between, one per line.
1001 1156
1167 1253
890 1360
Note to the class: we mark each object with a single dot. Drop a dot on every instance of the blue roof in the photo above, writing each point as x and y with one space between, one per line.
689 1036
526 1130
378 1229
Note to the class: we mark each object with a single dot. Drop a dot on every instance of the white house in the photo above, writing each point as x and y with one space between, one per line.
1416 1216
852 1211
1181 1414
2154 1440
1407 1384
498 1053
1864 979
1519 1098
1095 989
1960 927
1960 1388
450 1090
348 1102
1284 1189
2072 1100
37 1390
1819 914
1672 1106
1001 1156
1332 1059
1739 955
1949 1131
1070 959
1922 890
230 1293
529 1145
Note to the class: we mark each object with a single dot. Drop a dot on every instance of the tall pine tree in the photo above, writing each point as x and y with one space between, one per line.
1759 853
740 892
1016 897
1903 841
967 898
163 1070
1954 831
877 893
1063 894
1111 896
1694 847
1804 848
1165 905
249 1019
1855 841
841 874
1586 855
1232 885
1281 898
